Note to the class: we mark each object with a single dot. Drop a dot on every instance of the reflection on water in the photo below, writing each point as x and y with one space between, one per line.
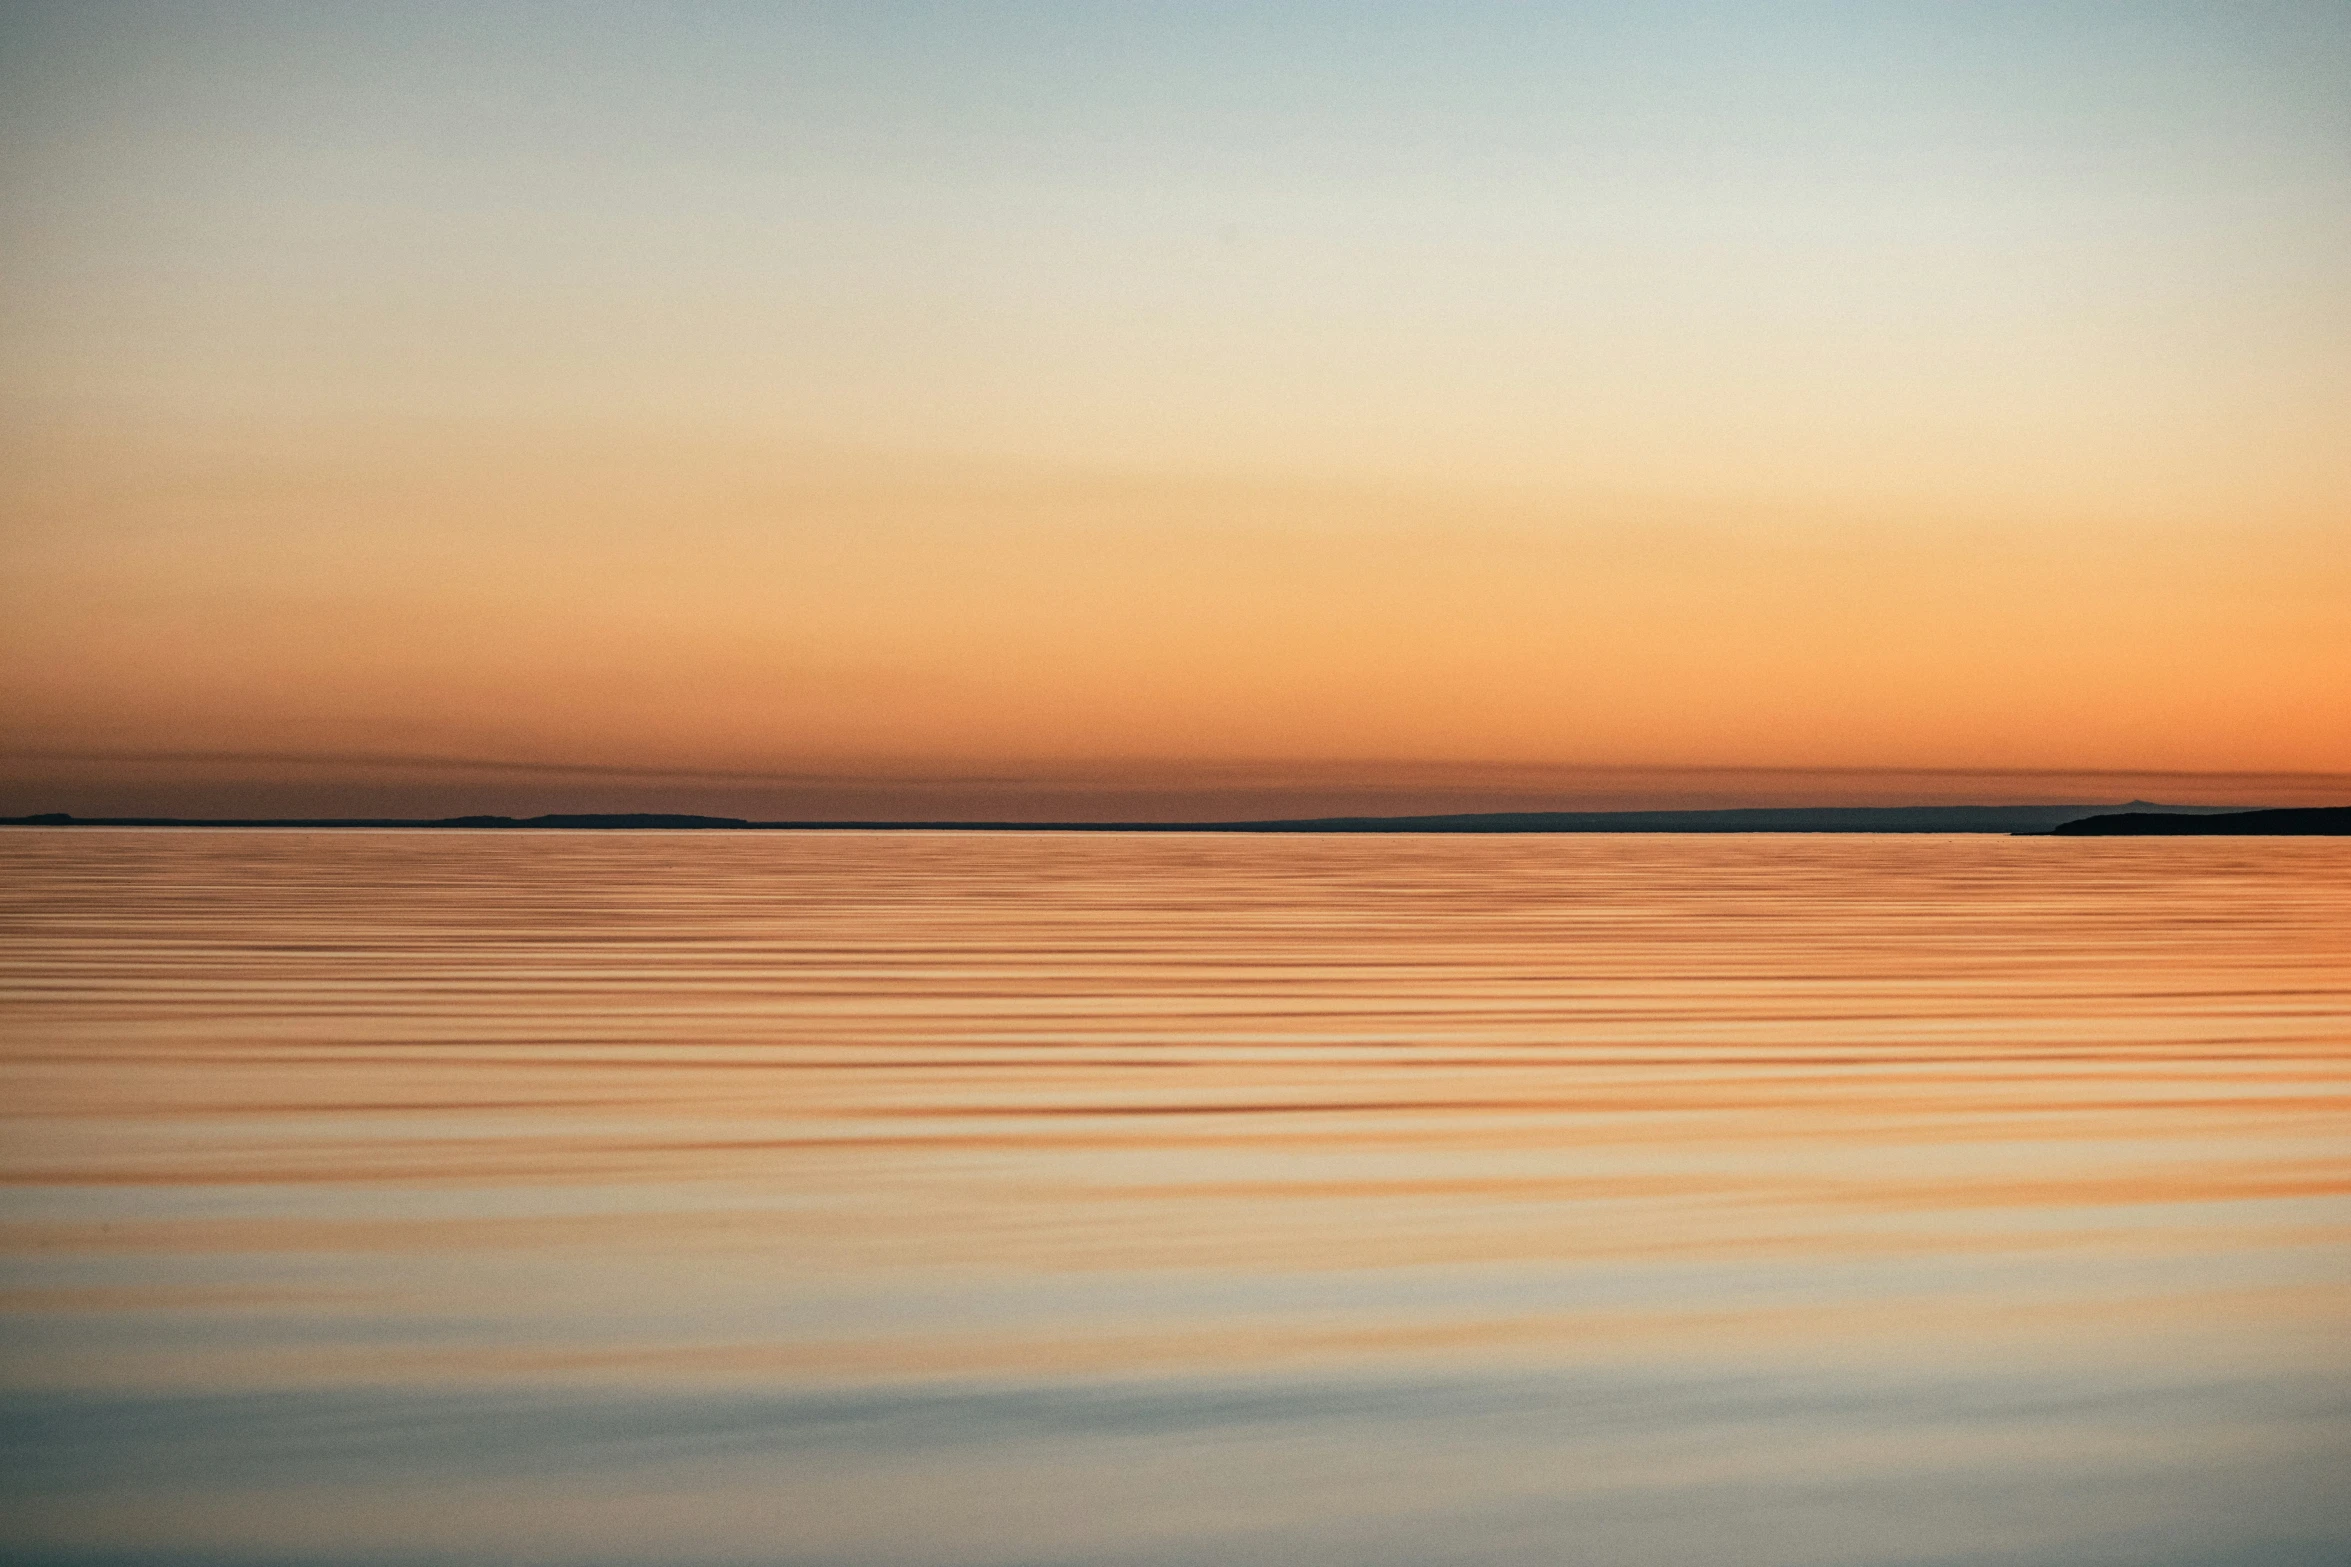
990 1199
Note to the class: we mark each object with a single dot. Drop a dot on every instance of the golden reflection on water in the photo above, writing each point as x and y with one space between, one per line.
1899 1167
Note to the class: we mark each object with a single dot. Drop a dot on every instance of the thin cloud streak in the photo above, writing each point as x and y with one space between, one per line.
1369 770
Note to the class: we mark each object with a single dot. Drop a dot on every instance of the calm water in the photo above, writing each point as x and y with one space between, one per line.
870 1199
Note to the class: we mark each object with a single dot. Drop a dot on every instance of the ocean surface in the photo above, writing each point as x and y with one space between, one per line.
380 1198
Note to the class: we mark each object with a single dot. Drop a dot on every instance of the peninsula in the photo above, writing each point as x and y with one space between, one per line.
2314 821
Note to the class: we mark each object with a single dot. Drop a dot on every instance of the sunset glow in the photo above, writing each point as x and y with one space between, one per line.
1035 411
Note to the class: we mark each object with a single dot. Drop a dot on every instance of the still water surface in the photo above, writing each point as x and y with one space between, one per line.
985 1199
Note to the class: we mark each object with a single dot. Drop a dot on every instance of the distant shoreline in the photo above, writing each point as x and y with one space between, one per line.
2307 821
2136 818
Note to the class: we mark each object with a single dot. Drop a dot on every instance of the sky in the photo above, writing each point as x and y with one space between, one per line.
1119 410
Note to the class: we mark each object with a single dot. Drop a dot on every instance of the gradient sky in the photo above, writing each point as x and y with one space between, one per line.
1027 409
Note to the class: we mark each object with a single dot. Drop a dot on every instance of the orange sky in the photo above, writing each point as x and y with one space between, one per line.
1890 425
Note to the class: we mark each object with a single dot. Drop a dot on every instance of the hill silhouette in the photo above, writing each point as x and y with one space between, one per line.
2311 821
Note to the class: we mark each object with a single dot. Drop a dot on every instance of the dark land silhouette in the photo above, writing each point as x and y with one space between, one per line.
2027 819
2311 821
